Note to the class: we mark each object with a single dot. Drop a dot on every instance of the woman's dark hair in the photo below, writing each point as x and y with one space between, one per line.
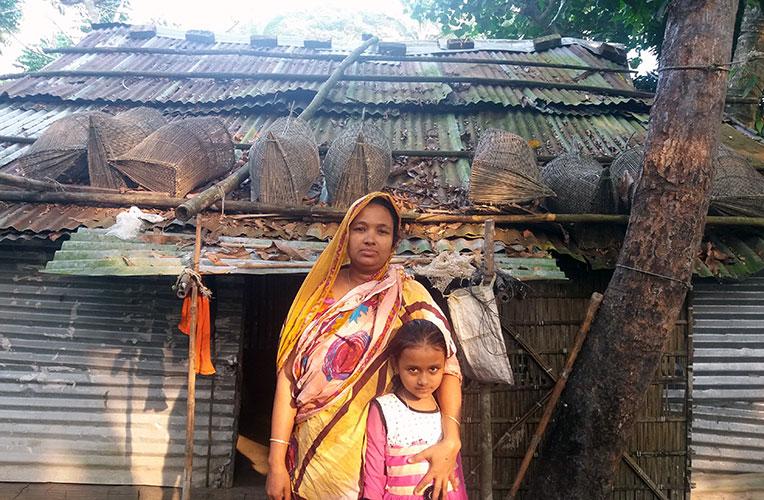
384 202
414 333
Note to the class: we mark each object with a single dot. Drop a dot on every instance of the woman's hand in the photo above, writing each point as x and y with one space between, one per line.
442 458
277 485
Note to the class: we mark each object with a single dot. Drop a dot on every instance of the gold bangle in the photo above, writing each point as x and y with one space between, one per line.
454 419
274 440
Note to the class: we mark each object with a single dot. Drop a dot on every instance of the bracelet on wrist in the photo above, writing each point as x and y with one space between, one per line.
280 441
454 419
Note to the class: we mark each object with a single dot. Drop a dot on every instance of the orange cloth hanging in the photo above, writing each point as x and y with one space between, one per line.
203 360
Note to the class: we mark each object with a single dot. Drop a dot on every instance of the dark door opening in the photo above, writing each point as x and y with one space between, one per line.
266 303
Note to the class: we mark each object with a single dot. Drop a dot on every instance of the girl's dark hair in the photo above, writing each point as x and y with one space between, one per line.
384 202
417 332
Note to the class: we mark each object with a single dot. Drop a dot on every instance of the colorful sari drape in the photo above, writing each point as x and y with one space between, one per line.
339 364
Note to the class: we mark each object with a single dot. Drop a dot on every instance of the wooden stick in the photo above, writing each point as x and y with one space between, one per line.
191 391
212 194
37 185
414 153
486 426
162 201
337 74
591 312
329 57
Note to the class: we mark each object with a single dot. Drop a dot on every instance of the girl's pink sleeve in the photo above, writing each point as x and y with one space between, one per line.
374 479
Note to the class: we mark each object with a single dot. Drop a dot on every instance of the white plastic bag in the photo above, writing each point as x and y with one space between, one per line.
477 328
130 223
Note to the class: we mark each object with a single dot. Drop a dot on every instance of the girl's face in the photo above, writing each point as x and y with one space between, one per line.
371 239
420 369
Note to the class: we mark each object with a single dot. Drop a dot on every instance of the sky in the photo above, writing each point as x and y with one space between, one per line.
43 20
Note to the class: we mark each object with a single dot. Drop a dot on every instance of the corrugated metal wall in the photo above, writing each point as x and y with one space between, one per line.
93 377
728 382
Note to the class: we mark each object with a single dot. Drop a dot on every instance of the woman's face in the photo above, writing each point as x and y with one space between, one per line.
371 239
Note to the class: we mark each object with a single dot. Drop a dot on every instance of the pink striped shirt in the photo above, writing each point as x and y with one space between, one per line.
394 433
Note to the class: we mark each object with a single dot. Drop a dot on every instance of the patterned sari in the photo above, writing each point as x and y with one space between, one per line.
340 365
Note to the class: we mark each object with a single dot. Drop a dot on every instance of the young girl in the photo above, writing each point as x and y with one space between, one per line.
408 420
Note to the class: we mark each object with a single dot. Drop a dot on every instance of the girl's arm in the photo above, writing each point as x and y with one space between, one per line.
374 476
278 485
442 456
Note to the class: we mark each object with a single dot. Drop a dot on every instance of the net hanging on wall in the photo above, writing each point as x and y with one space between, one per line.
358 162
180 156
579 183
109 137
283 162
737 189
504 170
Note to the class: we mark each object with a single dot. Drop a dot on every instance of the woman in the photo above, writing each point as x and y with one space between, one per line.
331 362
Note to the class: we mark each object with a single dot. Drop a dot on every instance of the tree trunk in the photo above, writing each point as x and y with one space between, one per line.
597 411
747 79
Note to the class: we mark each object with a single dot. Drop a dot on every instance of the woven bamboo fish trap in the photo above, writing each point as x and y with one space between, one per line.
579 183
59 153
358 162
504 170
110 137
180 156
625 172
737 189
283 162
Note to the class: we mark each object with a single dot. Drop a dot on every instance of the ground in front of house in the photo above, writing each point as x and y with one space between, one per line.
60 491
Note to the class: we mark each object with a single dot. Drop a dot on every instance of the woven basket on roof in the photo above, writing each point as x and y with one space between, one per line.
179 156
737 189
59 153
110 137
504 170
358 162
283 162
579 183
625 172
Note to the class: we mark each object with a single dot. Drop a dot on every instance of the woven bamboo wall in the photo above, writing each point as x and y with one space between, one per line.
548 320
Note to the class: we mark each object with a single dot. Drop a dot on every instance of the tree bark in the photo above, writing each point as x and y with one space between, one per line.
643 299
747 78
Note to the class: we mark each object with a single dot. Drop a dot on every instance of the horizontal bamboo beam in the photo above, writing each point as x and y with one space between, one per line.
161 201
445 58
396 153
312 77
37 185
17 139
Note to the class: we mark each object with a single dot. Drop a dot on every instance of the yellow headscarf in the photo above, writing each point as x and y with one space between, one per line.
320 279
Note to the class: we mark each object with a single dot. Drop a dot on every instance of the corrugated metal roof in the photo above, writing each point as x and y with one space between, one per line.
247 93
728 377
93 375
597 135
90 252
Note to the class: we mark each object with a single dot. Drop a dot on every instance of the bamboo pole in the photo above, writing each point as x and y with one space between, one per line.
162 201
486 427
591 312
209 196
214 193
396 153
191 390
37 185
337 75
329 57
